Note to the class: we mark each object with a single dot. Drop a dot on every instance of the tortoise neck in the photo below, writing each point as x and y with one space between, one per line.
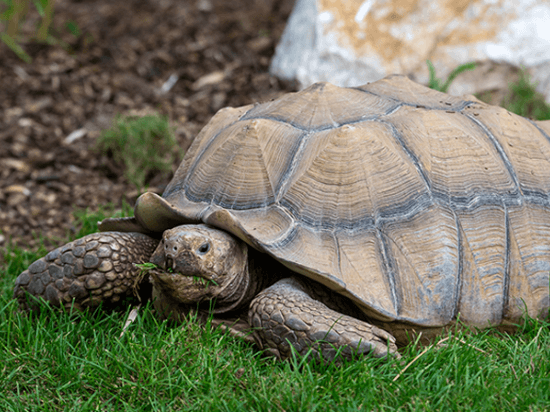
259 272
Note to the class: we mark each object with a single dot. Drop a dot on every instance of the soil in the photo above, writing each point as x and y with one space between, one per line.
53 109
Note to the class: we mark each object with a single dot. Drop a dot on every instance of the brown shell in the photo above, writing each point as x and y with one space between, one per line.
418 205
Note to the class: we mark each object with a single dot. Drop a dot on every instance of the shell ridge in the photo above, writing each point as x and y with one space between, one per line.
242 117
359 119
366 181
459 108
293 165
500 151
198 157
397 136
338 254
543 133
539 129
279 119
388 269
507 263
269 177
458 285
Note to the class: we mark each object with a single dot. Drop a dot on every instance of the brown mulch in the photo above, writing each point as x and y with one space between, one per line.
219 50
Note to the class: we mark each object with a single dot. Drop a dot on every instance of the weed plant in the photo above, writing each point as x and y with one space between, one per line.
141 147
443 86
523 99
13 15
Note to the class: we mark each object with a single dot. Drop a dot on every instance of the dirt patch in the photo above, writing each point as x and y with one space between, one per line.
53 109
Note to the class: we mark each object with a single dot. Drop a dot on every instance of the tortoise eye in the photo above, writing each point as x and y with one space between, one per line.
204 248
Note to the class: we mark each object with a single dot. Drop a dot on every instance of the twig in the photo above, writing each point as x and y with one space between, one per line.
426 349
131 318
472 346
514 371
410 363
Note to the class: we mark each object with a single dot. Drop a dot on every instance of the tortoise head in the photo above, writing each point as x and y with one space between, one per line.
197 263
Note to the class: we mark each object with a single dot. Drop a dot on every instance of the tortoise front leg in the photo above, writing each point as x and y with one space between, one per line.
286 314
96 268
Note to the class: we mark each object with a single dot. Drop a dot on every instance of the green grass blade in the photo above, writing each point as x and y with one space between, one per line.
16 48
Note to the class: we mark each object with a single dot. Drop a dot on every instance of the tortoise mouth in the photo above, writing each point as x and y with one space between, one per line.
171 275
185 288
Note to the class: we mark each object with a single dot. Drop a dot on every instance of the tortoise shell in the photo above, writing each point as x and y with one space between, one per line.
417 205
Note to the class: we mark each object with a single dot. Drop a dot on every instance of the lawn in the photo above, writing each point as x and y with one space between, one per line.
58 361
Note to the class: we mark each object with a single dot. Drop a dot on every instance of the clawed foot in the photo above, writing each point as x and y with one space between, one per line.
286 315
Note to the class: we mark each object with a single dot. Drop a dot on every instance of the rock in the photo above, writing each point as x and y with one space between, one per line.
353 42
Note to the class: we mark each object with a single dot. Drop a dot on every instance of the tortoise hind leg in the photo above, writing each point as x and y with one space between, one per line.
287 314
96 268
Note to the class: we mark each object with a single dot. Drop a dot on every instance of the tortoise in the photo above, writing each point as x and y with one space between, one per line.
334 219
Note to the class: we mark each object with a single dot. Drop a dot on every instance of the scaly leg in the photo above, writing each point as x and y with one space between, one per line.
96 268
286 314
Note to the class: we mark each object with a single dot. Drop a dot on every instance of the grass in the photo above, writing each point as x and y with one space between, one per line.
524 100
140 146
522 97
58 361
14 13
443 85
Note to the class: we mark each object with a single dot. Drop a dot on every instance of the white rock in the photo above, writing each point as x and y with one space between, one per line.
352 42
